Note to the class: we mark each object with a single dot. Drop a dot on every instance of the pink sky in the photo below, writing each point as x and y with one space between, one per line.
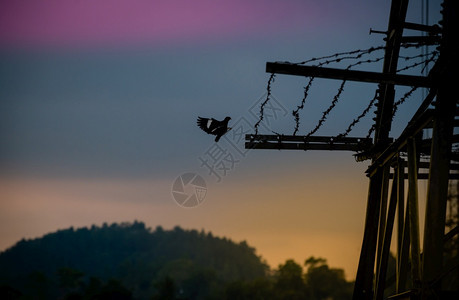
51 22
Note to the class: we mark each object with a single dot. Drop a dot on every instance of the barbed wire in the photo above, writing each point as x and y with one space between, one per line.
328 110
424 62
364 51
415 56
394 109
336 58
295 113
431 59
370 131
338 94
433 56
362 115
262 106
416 45
402 100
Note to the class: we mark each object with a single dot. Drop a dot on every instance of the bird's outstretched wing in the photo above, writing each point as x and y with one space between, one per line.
215 127
208 125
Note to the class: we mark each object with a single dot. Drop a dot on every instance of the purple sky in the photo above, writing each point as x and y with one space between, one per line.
54 22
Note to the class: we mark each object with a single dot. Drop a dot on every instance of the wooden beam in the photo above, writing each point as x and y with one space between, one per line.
386 240
352 75
364 277
303 146
425 176
426 165
421 27
402 263
382 223
410 131
451 234
309 139
293 142
427 40
442 133
413 213
400 216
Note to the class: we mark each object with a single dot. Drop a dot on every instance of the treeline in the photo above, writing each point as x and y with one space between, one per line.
130 261
289 281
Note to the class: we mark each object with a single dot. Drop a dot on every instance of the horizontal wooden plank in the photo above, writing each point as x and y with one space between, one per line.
425 176
310 139
421 27
352 75
303 146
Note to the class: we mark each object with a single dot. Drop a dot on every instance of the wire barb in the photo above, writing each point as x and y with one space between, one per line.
362 115
362 52
329 109
402 100
423 62
262 106
296 113
395 108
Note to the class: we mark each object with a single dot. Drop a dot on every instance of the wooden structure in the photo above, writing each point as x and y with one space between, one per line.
419 271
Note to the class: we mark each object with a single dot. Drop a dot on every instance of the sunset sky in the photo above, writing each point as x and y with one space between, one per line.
98 109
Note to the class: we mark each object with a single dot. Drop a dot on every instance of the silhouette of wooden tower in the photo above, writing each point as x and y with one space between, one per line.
418 275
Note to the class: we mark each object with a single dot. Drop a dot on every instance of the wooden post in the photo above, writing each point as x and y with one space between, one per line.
414 212
400 214
382 218
402 266
441 145
387 236
364 278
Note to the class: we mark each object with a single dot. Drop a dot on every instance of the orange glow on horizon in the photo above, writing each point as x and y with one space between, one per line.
282 216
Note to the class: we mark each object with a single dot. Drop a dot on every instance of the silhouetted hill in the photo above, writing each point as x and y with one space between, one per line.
140 259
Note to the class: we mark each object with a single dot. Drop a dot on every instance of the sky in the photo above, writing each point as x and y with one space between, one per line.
98 109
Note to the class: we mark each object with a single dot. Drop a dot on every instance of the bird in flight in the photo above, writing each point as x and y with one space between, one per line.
215 127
